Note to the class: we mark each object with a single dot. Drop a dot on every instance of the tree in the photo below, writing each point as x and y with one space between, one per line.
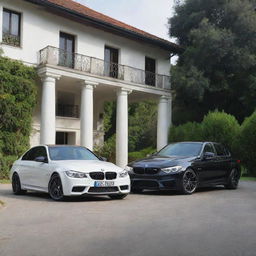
17 102
217 69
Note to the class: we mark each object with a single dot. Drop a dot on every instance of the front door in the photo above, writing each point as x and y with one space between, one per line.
61 138
67 50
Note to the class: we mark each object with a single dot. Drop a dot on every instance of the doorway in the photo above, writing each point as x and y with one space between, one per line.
65 138
67 50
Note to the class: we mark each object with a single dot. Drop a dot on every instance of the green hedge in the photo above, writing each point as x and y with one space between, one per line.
224 128
140 154
17 102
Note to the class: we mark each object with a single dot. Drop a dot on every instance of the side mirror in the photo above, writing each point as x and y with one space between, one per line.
41 159
104 159
208 155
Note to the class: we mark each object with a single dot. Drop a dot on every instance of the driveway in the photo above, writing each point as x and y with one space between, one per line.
210 222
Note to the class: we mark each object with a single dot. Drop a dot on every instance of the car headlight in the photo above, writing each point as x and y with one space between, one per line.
123 174
174 169
128 169
74 174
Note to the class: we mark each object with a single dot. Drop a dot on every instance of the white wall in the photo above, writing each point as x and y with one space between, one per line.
40 29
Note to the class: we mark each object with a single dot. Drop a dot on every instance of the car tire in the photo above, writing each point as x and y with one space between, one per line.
136 190
16 186
118 197
189 182
233 179
55 188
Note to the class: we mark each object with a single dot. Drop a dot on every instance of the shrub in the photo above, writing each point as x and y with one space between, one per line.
186 132
247 145
5 165
108 150
140 154
221 127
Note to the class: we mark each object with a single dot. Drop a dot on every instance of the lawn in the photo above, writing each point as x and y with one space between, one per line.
248 178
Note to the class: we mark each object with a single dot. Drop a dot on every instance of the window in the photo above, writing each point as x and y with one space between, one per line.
220 149
150 71
111 62
11 27
33 153
209 148
67 50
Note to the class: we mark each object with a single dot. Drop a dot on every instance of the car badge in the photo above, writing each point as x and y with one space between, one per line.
102 170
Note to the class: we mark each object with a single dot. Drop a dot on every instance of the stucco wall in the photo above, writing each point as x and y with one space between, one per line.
40 29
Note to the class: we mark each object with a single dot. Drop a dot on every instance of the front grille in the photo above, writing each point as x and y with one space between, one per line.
151 170
169 184
145 183
97 175
103 189
110 175
139 170
148 170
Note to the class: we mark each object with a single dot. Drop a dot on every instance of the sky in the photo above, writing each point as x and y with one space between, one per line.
149 15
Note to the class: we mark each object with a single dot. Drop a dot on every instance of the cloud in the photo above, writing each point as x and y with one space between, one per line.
149 15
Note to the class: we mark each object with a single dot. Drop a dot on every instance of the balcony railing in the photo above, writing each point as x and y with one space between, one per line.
10 39
67 110
54 56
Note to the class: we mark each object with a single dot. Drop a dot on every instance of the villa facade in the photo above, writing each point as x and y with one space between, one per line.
84 59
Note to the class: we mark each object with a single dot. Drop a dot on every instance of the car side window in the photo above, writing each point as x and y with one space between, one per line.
209 148
220 149
32 154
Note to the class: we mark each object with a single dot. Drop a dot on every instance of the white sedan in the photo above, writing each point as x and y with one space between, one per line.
68 171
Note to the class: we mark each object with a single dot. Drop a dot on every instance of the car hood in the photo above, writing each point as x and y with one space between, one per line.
161 161
87 166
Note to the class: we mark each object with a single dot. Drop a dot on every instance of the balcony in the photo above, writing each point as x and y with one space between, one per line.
54 56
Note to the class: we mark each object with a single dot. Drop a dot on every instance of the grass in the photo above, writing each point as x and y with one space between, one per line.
5 181
1 203
248 178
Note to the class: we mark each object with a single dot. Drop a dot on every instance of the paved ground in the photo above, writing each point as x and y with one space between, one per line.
211 222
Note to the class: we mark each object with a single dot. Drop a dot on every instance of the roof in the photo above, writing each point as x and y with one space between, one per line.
73 8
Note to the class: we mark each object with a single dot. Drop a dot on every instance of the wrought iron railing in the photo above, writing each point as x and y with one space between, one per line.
54 56
67 110
11 39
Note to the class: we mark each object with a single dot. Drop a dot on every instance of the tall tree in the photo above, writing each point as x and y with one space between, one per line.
217 69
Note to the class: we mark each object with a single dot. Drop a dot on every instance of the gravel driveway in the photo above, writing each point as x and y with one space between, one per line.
210 222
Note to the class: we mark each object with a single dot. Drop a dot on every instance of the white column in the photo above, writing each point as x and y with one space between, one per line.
1 23
163 121
86 115
122 128
48 112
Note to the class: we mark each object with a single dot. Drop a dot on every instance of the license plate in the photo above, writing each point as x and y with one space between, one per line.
104 184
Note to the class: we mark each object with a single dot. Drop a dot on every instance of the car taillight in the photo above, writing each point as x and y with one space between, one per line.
238 161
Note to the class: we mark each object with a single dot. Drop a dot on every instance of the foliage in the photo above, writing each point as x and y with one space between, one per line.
220 127
142 125
141 154
217 69
17 101
108 150
186 132
247 143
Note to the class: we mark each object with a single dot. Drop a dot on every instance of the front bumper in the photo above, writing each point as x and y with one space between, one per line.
78 187
156 182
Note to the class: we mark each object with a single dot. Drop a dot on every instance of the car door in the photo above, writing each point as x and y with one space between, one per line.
39 171
223 161
25 167
206 167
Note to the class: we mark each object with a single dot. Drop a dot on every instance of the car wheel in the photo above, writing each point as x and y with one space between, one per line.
189 182
16 187
136 190
233 179
118 197
55 188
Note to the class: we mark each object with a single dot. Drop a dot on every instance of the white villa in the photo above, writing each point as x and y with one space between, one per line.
84 59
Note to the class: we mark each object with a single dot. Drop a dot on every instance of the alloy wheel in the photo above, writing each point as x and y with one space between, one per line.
189 181
55 188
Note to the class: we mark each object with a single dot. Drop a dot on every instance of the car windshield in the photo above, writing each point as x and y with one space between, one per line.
70 153
181 149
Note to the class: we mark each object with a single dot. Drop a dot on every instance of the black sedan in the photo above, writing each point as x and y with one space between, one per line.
185 166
